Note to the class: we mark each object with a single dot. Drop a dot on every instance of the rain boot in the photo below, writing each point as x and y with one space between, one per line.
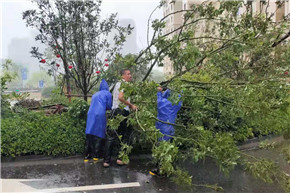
87 149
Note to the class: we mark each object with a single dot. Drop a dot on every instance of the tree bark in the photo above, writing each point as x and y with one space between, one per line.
68 86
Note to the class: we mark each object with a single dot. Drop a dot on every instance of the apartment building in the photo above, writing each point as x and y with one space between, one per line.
175 20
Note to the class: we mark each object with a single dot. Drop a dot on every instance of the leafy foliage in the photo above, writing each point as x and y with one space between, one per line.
78 110
165 154
9 67
125 150
19 96
120 62
229 71
268 171
6 77
80 40
35 133
182 178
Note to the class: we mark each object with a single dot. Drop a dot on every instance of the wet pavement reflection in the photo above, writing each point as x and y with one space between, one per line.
73 172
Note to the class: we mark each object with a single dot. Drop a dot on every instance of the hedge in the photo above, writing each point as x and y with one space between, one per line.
35 133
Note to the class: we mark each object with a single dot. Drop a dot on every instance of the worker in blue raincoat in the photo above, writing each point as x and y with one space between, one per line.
166 112
96 121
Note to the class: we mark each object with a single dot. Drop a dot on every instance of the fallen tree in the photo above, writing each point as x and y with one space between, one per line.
232 79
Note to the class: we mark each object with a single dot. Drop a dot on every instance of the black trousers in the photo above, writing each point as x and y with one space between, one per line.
112 140
92 146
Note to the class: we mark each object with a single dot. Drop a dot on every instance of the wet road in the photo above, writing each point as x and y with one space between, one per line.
71 174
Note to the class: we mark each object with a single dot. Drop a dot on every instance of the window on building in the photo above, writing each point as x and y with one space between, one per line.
184 6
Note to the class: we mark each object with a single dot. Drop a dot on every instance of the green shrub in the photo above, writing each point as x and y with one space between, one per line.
47 91
35 133
78 109
5 107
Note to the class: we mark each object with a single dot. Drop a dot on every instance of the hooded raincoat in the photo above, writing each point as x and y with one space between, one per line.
167 112
101 101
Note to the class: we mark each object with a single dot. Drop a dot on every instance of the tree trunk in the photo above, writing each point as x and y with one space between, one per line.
85 94
68 87
85 89
86 97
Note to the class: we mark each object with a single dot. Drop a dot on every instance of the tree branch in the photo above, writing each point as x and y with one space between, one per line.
224 46
281 40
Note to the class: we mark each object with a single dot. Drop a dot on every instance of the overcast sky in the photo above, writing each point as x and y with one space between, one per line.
13 27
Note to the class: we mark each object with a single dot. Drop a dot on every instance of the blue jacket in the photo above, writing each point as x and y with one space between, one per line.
167 112
97 121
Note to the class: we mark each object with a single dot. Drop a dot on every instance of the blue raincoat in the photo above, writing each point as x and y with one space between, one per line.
167 112
101 101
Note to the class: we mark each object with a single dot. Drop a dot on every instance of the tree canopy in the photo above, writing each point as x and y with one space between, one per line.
82 42
232 73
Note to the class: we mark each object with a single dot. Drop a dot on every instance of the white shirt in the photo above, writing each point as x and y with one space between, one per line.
116 101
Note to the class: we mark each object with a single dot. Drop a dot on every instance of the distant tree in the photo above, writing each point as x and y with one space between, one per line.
16 82
34 79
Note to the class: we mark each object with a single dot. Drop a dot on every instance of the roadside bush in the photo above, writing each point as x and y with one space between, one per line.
5 107
35 133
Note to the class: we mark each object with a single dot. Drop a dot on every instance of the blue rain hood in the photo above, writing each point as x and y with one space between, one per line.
101 101
166 94
167 112
104 85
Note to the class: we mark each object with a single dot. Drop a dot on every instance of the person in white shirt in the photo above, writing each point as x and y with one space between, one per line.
123 129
